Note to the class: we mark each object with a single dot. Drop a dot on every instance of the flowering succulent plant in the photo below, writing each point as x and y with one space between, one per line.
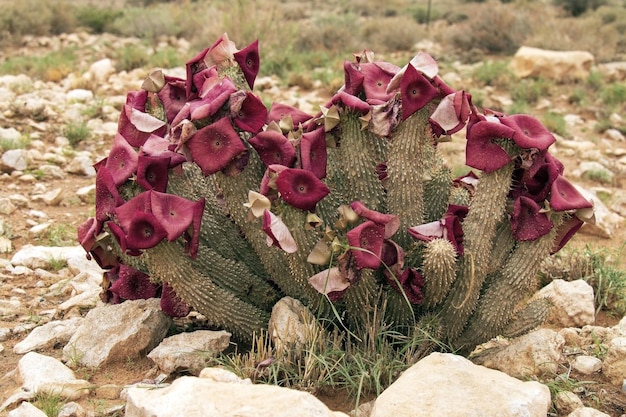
212 201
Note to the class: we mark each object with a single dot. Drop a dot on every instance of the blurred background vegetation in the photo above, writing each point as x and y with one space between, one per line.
306 34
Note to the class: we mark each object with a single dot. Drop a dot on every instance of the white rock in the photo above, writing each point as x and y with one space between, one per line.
40 373
26 410
614 71
41 256
587 412
222 375
614 364
10 135
87 194
6 206
58 331
536 353
605 220
566 402
72 409
444 384
197 397
14 160
573 302
615 135
587 364
117 332
101 70
52 171
559 66
191 351
79 94
291 324
81 165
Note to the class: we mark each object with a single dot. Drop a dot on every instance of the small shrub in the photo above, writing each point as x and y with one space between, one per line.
494 73
555 122
165 58
50 404
530 91
391 34
50 67
130 57
578 7
76 132
599 175
96 19
614 94
492 28
21 143
60 235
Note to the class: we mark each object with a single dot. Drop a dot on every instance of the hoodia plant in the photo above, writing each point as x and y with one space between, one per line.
214 202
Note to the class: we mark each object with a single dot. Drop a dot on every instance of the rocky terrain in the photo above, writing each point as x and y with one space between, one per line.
47 190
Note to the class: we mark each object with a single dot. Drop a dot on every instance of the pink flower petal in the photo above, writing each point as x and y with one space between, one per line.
452 113
277 233
481 152
328 281
351 102
353 78
564 196
107 196
278 111
152 173
376 79
173 95
530 133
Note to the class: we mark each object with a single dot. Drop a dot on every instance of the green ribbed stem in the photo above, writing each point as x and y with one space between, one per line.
235 193
503 244
398 311
406 170
529 317
360 299
508 287
351 171
479 227
439 270
234 277
437 193
221 308
459 196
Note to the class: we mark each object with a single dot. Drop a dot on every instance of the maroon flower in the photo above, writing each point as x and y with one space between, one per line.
376 79
215 146
353 78
122 160
481 152
527 220
529 132
564 196
279 111
567 230
249 62
410 283
393 257
172 304
107 196
134 124
176 214
536 181
145 231
248 114
300 188
173 95
273 148
132 284
351 102
416 91
367 244
390 221
277 233
313 154
152 173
